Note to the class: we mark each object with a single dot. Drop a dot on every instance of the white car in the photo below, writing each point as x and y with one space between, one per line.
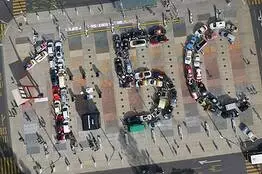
231 27
50 48
201 31
217 25
57 107
243 127
197 61
143 75
58 50
30 65
138 43
231 38
41 56
60 64
198 75
188 57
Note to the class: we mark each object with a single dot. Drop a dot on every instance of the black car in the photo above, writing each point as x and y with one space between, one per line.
116 38
117 46
158 39
119 67
125 44
54 77
202 89
126 36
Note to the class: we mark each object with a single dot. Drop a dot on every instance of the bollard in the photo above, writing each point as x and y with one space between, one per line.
153 136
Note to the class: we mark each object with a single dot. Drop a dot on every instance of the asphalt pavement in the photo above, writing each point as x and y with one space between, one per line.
4 119
224 164
5 15
256 12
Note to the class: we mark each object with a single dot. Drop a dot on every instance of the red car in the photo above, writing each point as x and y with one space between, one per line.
60 137
188 72
59 118
60 129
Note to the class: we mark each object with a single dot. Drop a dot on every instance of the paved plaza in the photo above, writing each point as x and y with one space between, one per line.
227 75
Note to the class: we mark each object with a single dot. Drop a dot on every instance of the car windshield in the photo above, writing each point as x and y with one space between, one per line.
147 73
137 42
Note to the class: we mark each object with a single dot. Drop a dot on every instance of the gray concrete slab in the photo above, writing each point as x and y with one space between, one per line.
101 42
203 17
75 43
22 40
179 29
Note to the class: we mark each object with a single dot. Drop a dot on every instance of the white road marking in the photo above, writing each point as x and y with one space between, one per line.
207 162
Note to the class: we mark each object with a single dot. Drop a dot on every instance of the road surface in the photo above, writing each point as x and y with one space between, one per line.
255 12
224 164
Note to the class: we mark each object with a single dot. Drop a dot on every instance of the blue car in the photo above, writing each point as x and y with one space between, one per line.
191 43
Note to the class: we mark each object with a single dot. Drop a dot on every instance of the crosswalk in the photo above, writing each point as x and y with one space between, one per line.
8 165
252 169
2 30
254 2
19 7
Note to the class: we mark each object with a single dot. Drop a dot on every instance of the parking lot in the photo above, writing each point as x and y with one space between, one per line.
226 75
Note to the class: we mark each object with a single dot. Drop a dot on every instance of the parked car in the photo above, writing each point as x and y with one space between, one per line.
41 56
54 77
119 67
201 31
231 27
198 75
117 46
143 75
50 48
58 50
189 72
125 44
191 43
210 35
243 127
40 46
200 45
202 89
128 66
156 39
188 57
138 43
57 107
156 30
140 83
155 82
116 38
217 25
197 61
231 38
61 137
30 65
193 89
52 64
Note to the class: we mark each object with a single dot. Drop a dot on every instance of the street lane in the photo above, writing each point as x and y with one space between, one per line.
257 30
4 13
223 164
4 119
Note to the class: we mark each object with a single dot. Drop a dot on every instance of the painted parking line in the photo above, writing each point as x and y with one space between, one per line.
78 33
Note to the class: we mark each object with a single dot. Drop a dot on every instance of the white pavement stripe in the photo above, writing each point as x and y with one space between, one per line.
257 33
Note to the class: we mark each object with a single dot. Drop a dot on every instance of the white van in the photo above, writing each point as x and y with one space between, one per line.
217 25
61 80
65 112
